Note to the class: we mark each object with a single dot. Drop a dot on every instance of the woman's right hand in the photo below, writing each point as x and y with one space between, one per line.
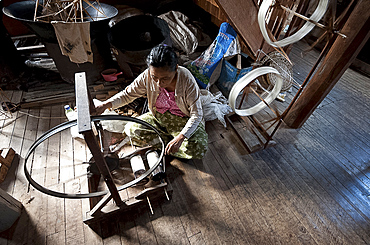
101 108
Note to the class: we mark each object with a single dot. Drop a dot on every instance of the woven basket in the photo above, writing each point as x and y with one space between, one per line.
280 63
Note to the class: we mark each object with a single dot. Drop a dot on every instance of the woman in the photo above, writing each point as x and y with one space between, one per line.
174 105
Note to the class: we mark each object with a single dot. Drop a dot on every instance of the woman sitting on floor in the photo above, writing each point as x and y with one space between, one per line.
174 105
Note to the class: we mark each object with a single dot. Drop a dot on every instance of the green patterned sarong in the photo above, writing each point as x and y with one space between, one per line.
169 126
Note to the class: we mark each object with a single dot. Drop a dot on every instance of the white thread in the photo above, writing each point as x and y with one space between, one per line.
152 158
247 79
137 164
306 28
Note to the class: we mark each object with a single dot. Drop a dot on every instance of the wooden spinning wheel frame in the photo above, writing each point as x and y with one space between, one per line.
331 31
93 135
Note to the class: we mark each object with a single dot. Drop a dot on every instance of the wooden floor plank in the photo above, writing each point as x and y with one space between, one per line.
128 230
38 209
329 216
144 229
166 224
56 238
266 193
24 132
314 221
198 203
55 206
240 233
254 221
340 122
19 188
357 116
305 163
338 177
71 183
353 160
20 191
7 130
242 221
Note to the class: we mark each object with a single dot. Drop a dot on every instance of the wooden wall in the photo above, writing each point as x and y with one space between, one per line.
218 17
211 6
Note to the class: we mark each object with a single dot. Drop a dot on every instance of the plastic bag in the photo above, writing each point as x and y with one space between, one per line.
215 106
182 36
233 68
225 44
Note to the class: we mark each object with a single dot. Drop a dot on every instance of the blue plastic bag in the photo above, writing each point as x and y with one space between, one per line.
225 43
230 74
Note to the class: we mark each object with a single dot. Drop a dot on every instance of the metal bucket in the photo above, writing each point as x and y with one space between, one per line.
134 37
24 12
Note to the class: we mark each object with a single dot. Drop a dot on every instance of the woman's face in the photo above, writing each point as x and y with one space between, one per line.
163 76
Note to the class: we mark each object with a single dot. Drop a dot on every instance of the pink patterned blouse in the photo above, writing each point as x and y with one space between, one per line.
166 102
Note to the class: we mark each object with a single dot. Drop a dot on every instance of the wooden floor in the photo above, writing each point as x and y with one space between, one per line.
312 187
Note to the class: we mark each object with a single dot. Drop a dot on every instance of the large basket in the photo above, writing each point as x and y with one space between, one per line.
279 62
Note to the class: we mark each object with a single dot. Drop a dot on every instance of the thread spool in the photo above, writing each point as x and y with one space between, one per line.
138 167
152 158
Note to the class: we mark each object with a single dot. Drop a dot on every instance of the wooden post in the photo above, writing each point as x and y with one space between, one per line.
85 128
338 59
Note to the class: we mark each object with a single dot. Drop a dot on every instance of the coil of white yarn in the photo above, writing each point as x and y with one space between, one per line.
306 28
137 165
247 79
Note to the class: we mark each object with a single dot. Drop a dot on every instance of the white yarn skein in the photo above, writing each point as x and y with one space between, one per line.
152 158
306 28
137 164
247 79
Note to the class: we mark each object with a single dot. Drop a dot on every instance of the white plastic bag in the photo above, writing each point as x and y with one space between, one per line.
114 126
215 106
183 35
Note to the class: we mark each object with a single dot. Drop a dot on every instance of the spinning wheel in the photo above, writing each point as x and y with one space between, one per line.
273 13
113 165
252 102
95 119
306 28
245 81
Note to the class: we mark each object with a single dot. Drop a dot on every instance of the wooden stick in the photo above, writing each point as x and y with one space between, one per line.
88 2
89 14
309 20
75 10
82 16
150 205
69 15
254 91
54 14
36 5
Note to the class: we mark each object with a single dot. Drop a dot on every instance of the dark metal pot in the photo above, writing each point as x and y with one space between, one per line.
24 12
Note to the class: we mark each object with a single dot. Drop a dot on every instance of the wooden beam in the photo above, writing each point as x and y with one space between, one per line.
336 62
243 17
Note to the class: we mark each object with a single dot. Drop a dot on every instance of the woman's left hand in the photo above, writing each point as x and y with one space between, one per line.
174 145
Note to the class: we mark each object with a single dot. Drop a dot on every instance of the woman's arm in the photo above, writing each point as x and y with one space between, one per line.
174 145
102 107
194 106
133 91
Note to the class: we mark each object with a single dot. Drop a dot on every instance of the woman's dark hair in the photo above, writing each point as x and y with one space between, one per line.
162 56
